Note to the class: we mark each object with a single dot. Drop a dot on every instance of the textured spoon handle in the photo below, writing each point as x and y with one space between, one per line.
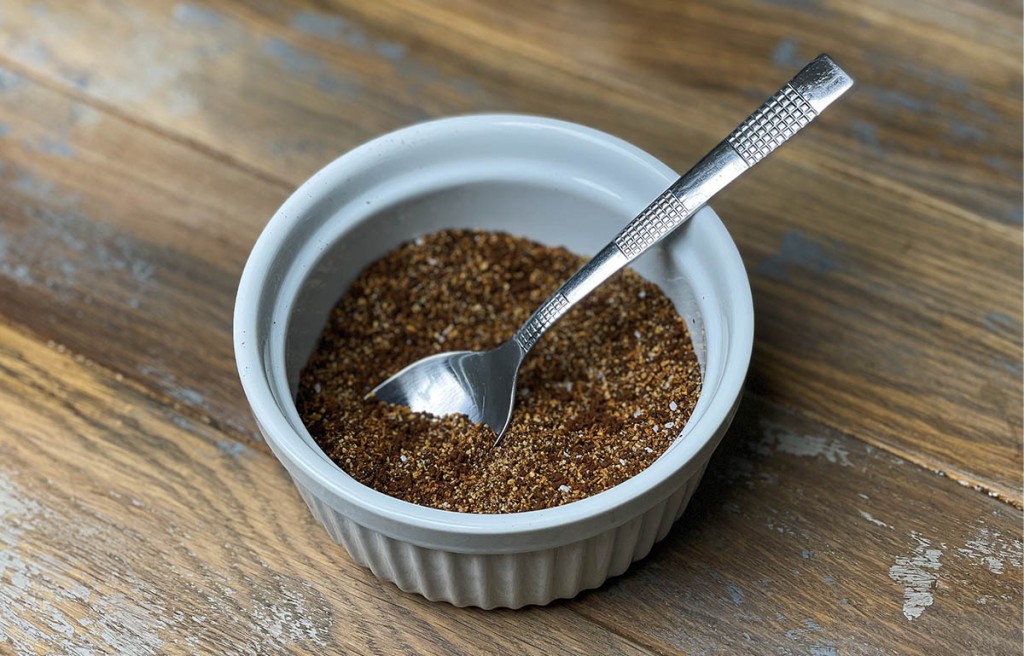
791 108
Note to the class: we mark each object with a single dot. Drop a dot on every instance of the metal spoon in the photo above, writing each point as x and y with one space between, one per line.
481 385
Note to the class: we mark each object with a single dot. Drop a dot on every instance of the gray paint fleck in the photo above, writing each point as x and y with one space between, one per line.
785 54
734 592
195 15
319 24
866 133
291 58
820 256
998 321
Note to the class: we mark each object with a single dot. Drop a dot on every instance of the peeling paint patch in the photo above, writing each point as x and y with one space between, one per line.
917 573
993 551
809 633
308 66
35 595
329 27
819 256
232 448
337 29
291 58
169 384
780 440
52 244
52 604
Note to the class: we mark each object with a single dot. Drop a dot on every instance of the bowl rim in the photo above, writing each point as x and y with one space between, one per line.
468 532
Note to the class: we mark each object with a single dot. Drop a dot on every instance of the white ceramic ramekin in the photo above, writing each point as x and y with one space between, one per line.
551 181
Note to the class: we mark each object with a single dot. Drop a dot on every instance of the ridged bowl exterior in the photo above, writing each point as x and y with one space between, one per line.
503 580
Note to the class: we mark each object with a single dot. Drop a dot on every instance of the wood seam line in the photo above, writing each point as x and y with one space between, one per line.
951 473
66 90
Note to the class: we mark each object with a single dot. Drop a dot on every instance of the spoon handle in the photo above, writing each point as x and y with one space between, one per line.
792 107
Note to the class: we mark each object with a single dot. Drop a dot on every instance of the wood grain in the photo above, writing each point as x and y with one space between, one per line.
887 296
144 145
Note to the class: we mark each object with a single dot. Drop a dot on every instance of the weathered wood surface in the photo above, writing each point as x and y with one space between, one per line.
864 240
143 146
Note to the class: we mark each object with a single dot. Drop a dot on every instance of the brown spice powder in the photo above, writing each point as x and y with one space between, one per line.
599 398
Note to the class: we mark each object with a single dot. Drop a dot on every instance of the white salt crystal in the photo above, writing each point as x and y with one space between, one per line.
564 488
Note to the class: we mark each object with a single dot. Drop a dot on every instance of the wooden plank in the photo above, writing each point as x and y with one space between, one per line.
803 540
127 527
881 309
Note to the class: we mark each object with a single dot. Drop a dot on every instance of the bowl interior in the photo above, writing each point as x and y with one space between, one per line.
555 183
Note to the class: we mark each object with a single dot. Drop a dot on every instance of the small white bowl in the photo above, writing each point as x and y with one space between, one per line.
551 181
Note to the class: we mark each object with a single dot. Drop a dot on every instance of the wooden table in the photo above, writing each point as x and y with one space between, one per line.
868 499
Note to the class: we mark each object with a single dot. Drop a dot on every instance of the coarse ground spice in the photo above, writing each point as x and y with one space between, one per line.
600 397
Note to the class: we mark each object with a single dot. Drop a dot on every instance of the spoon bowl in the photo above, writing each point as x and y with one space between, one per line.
478 384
